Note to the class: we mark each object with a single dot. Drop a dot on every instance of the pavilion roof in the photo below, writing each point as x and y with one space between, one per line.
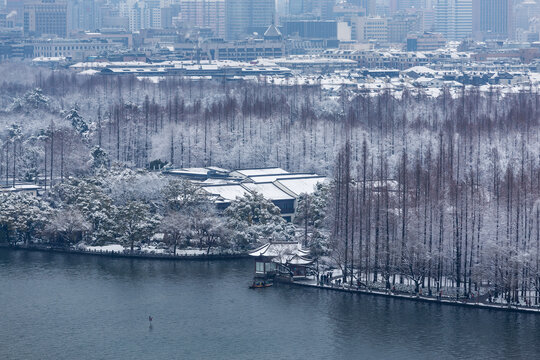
284 252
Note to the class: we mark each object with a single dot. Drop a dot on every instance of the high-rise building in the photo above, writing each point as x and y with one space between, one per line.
425 42
493 19
396 5
402 24
453 18
525 13
237 18
168 13
428 19
312 29
261 14
134 15
144 14
347 13
46 17
84 15
112 17
204 14
322 9
15 8
368 5
371 29
151 14
296 7
244 16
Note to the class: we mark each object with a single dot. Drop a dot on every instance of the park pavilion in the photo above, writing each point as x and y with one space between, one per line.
281 258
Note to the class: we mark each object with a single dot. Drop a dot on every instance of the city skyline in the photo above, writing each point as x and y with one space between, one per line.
237 19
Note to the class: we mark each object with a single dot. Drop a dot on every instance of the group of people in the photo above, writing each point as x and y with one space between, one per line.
325 279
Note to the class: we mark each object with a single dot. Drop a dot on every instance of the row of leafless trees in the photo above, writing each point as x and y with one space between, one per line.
434 191
235 124
457 213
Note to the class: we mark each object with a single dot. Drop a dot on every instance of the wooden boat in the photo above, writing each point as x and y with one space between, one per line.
260 284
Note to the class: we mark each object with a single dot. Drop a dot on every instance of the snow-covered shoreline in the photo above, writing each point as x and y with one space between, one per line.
118 251
434 300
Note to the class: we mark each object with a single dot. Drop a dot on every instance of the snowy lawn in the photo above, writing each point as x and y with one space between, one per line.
148 249
110 248
153 249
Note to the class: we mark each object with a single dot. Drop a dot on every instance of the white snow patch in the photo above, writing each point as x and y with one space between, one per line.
109 248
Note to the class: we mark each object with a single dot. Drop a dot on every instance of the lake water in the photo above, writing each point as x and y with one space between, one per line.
60 306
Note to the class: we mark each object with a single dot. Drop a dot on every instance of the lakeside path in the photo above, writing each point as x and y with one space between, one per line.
135 255
434 300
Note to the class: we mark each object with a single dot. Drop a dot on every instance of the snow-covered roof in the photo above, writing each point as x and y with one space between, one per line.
306 59
134 70
89 72
104 64
271 178
189 172
283 252
259 171
303 185
20 188
217 182
423 79
196 170
48 58
269 191
299 260
218 169
27 186
228 192
420 70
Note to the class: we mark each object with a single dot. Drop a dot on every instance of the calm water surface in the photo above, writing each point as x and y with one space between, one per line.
57 306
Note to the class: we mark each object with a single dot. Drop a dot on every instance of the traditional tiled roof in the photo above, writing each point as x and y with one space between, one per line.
284 252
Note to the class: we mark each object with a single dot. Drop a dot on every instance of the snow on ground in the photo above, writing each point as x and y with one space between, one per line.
112 247
89 72
152 249
190 252
149 249
433 92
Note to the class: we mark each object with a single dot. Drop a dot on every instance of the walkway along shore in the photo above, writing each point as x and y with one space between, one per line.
428 299
127 254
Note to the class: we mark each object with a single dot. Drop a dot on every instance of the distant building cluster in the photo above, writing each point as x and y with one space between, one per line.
372 33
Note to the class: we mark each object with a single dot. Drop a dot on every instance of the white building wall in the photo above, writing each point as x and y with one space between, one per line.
343 31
